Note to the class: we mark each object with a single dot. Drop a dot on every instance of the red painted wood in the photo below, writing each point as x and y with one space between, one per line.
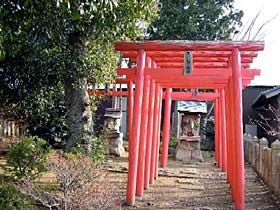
237 108
209 59
154 140
180 95
166 127
154 64
166 73
149 135
198 59
158 134
232 142
250 72
234 185
192 85
245 65
206 55
189 81
196 53
124 81
198 83
148 62
170 59
143 135
202 62
110 93
223 123
220 135
195 64
216 130
212 69
189 96
130 108
227 136
179 45
135 136
174 95
246 59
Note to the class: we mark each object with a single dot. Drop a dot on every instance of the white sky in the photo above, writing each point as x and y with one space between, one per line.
268 60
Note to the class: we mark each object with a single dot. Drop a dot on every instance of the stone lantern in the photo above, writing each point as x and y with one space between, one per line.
190 113
112 128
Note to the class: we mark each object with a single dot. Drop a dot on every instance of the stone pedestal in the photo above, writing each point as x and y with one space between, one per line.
112 129
188 149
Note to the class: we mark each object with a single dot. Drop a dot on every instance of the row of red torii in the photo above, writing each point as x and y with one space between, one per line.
223 67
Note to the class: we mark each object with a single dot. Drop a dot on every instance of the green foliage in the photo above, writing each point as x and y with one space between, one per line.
173 142
208 143
209 129
28 158
11 198
99 146
195 20
44 43
55 39
47 116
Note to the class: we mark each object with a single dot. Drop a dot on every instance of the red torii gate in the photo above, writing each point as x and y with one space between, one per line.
223 67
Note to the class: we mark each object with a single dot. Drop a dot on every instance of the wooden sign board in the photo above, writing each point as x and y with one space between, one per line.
188 62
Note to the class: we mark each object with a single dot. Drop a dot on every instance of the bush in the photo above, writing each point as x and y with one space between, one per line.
173 142
82 185
11 198
28 158
99 145
98 149
46 115
208 143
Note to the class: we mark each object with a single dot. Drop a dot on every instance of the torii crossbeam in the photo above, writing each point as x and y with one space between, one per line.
223 67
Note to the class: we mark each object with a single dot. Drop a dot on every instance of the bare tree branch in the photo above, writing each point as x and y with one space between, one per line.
266 123
263 25
247 29
82 186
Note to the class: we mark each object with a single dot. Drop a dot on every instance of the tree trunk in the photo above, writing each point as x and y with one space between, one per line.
78 113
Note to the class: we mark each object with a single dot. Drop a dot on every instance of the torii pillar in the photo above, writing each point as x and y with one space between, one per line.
166 127
135 132
237 109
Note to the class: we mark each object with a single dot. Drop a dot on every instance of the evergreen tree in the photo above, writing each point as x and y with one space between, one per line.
52 48
195 20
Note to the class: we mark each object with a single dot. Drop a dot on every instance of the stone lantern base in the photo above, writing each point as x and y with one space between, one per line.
115 143
188 149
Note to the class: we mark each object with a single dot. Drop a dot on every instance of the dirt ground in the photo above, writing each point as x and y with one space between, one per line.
191 186
182 185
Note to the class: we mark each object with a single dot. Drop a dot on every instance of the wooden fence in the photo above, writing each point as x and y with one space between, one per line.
264 160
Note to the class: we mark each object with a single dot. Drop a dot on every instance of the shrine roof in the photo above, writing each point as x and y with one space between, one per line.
265 95
206 54
181 45
192 106
211 61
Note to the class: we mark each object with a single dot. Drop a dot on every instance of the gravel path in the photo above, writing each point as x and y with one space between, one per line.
191 186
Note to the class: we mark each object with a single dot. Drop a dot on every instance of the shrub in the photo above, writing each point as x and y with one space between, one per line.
173 142
11 198
208 143
28 158
98 149
99 145
82 185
